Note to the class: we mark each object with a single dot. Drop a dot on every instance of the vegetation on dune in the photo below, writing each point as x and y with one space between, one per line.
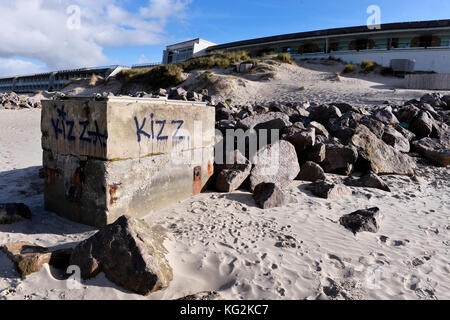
215 60
368 66
171 75
350 68
285 58
155 78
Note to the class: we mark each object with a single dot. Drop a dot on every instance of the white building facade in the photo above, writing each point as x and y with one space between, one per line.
184 50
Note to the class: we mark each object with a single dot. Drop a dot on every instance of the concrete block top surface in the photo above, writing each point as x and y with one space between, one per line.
119 128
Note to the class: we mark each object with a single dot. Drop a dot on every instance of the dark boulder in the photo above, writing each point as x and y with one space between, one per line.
129 252
269 195
311 171
13 212
362 220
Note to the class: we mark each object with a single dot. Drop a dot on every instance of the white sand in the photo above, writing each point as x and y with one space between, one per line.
223 242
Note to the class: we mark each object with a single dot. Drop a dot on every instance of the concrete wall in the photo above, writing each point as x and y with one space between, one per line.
105 161
437 60
428 81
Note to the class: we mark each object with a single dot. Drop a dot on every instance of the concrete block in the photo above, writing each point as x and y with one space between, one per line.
125 128
95 182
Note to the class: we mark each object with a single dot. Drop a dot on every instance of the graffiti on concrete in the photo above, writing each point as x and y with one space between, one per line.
156 129
64 128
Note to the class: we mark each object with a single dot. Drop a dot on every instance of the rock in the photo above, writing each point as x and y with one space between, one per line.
345 107
406 133
385 115
377 127
327 190
292 130
303 139
231 179
271 120
395 139
203 296
407 114
223 112
368 181
362 220
323 113
269 195
339 158
316 153
277 163
161 92
178 94
319 129
381 158
422 127
129 252
13 212
311 171
437 151
433 99
29 258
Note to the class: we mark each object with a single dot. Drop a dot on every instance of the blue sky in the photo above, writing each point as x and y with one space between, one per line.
133 31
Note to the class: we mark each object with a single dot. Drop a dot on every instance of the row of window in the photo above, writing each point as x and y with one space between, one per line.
362 44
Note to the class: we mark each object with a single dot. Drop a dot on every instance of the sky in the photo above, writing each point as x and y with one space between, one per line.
47 35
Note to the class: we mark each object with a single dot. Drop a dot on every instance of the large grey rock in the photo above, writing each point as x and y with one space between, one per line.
323 113
327 190
129 252
268 121
395 139
437 151
316 153
434 99
269 195
13 212
406 133
277 163
339 158
311 171
303 140
408 113
319 129
345 107
367 181
382 158
377 127
385 115
422 127
229 180
29 258
362 220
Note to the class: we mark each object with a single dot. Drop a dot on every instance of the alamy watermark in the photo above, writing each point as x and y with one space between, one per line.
374 20
74 19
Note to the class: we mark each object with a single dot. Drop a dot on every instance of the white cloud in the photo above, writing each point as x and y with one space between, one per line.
38 29
13 67
143 59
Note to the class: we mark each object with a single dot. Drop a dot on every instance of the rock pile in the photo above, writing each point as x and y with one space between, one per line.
14 101
334 138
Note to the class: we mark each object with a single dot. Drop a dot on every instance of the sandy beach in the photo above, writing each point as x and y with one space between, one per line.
225 243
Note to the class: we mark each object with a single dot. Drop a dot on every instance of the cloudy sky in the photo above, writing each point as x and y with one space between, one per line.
44 35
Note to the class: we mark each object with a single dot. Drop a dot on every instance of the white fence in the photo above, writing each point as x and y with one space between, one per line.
439 81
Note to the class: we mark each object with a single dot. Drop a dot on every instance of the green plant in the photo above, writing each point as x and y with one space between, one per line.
350 68
215 60
155 78
228 102
367 66
302 88
285 58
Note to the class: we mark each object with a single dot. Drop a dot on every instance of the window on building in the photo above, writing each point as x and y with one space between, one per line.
425 41
361 44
